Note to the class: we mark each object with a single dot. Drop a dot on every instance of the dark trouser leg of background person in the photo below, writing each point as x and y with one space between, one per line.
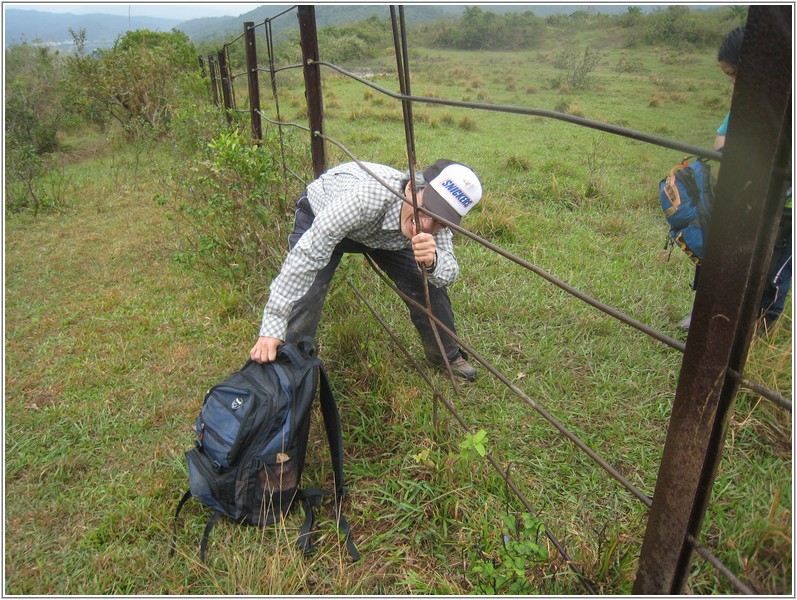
778 280
306 313
684 323
400 266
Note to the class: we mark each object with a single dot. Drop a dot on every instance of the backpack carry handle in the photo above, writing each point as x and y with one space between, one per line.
297 355
297 352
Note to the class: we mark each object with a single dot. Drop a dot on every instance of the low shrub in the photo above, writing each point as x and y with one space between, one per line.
237 203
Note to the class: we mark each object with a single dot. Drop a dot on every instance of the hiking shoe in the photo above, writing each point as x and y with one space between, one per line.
462 369
684 323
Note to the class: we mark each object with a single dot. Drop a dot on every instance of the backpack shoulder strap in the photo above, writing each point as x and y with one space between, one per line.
707 193
203 545
329 410
180 505
312 499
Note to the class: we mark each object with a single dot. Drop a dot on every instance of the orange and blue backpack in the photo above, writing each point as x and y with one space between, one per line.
686 196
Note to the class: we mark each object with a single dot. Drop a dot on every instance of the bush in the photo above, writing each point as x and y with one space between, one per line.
361 40
33 111
630 66
32 183
194 126
236 207
576 69
23 169
135 83
676 26
485 30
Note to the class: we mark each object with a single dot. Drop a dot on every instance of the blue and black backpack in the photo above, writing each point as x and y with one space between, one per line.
252 436
686 196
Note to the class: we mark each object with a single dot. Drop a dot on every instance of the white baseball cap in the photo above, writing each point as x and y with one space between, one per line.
453 189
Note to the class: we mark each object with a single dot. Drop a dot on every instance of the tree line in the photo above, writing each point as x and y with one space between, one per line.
136 85
680 25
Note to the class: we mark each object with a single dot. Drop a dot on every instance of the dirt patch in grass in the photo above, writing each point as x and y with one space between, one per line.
75 152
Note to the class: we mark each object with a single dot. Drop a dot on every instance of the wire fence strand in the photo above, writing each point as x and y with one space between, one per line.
644 498
489 456
407 100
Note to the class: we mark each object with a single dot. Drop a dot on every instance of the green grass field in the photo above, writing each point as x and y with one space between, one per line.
111 343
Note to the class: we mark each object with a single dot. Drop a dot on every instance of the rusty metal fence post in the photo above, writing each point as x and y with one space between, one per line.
214 84
749 201
312 84
226 91
251 76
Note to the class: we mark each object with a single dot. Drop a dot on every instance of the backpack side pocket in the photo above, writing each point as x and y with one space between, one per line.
266 489
205 483
222 425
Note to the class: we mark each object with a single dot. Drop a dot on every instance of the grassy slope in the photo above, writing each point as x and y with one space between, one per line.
110 345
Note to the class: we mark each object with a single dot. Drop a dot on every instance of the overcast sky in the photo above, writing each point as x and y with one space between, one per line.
174 10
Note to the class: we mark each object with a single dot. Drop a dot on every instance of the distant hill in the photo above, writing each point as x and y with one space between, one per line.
227 27
52 29
224 28
39 26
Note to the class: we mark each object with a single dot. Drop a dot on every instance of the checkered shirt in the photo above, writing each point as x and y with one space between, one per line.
347 202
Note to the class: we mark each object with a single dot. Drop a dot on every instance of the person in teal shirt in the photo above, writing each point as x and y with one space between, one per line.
778 281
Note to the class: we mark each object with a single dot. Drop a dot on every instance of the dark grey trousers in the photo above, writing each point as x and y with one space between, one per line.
400 267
